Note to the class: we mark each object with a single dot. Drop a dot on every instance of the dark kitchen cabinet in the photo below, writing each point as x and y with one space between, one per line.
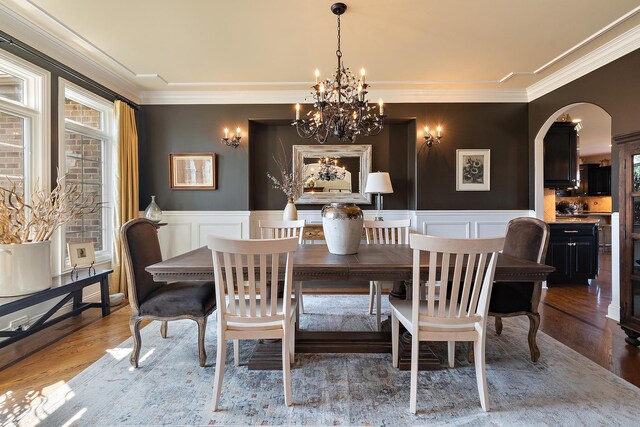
573 251
561 156
600 181
629 205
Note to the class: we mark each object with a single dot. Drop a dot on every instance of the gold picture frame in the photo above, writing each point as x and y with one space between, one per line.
192 171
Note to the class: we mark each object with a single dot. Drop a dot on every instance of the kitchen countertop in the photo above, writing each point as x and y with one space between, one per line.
573 219
583 214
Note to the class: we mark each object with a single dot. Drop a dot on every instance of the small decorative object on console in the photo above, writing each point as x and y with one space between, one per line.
153 211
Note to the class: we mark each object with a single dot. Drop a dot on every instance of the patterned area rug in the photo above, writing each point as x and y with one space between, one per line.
169 388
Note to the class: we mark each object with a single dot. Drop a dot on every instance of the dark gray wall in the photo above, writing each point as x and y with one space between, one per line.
422 178
615 87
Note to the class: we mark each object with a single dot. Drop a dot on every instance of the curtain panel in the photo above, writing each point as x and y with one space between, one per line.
126 188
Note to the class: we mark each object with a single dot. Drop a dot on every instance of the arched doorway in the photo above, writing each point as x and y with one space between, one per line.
603 119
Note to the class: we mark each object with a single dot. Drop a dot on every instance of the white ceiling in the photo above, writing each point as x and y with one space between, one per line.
595 136
164 46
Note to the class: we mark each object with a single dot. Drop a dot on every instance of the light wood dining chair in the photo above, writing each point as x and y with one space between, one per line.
393 232
278 230
253 311
464 316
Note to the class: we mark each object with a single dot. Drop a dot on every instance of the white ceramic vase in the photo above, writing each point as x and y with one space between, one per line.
290 212
25 268
342 225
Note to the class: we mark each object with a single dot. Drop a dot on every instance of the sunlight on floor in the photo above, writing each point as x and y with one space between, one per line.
35 406
143 358
119 353
75 418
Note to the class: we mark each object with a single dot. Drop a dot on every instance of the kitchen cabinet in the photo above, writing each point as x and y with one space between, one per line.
629 205
561 156
573 251
599 181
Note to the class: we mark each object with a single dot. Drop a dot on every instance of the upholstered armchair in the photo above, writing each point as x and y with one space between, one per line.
526 238
160 301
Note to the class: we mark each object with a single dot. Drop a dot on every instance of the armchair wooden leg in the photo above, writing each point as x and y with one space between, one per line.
163 328
286 366
534 323
481 374
202 328
498 325
134 324
395 336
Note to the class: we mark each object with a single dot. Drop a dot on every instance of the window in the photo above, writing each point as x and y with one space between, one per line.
87 136
24 125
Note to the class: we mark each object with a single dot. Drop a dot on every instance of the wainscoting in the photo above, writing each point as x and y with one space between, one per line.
187 230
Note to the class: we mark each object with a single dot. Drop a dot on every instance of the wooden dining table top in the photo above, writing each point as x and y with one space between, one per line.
372 262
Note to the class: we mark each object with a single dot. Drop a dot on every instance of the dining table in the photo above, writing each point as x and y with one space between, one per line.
313 262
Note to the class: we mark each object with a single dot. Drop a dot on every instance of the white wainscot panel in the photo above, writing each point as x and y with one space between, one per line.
489 229
466 224
175 239
454 229
188 230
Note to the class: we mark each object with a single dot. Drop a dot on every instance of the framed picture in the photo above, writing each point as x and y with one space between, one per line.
473 170
192 171
81 254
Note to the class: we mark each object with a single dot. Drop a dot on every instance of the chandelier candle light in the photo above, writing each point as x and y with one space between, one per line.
340 104
380 183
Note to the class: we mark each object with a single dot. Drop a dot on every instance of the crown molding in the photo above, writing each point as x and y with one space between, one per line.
608 52
33 35
294 96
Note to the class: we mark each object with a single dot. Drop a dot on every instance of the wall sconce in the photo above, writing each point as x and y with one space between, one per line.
431 140
231 142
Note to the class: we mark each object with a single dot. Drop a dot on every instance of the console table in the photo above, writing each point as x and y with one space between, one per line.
66 286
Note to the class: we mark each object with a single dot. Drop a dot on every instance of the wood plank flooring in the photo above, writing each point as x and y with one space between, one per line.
572 314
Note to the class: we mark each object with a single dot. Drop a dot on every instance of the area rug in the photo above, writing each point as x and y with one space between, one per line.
169 388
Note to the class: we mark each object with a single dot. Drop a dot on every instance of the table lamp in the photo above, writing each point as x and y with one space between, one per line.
379 182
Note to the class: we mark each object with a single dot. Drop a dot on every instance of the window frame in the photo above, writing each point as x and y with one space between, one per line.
68 90
35 110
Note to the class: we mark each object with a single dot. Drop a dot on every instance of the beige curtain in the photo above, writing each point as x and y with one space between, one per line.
126 188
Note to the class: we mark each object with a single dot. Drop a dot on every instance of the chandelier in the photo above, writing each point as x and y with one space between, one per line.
328 170
340 104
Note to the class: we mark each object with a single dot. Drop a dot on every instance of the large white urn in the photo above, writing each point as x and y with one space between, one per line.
24 268
342 225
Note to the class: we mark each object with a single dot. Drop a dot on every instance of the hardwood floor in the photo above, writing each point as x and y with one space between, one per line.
575 316
572 314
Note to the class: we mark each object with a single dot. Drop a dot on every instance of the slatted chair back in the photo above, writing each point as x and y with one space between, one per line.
392 232
242 271
470 278
281 229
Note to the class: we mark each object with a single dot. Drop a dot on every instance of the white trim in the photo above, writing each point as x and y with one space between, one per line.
171 97
613 311
16 21
608 52
107 134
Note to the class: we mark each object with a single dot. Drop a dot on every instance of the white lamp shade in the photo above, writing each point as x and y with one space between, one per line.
378 182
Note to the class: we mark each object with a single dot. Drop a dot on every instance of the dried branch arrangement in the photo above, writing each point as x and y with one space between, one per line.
37 221
290 182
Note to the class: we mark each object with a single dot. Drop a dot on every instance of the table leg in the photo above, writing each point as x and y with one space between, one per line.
77 300
104 296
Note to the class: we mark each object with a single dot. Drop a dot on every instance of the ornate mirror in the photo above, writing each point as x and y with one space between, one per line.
333 173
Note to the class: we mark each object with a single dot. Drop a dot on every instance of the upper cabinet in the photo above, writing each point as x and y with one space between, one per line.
595 180
561 156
